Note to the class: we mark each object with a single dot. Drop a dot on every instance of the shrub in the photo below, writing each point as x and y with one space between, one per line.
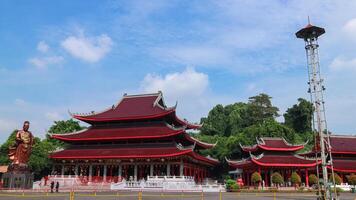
313 179
351 179
256 178
295 179
231 185
337 179
277 178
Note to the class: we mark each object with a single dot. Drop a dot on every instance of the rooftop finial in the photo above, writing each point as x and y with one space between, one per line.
308 20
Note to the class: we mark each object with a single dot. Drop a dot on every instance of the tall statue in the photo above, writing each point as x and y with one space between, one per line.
19 153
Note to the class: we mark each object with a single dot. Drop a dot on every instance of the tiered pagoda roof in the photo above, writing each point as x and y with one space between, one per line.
158 130
342 144
135 118
137 151
272 144
276 152
343 151
135 107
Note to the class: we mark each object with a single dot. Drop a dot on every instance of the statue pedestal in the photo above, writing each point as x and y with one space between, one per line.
18 177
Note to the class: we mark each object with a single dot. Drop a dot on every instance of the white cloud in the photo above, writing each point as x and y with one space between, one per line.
43 62
186 83
20 102
350 28
53 116
189 88
89 49
42 47
342 64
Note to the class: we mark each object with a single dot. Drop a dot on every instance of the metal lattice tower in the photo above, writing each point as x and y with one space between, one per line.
310 35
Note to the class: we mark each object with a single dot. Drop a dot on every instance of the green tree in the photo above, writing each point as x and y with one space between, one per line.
295 179
4 148
61 127
313 179
256 178
338 179
215 123
351 179
277 178
260 109
269 128
231 185
39 162
299 116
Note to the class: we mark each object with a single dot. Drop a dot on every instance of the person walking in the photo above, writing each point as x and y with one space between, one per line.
57 186
52 186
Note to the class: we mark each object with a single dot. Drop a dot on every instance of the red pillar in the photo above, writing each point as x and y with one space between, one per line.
266 178
306 178
259 171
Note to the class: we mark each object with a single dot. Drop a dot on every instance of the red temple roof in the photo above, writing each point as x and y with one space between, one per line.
131 107
136 107
93 133
287 160
272 144
132 152
342 144
341 165
205 145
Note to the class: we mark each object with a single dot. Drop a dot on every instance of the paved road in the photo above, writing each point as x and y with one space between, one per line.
168 196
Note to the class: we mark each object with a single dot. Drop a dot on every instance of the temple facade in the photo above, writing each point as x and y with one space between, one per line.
343 151
271 155
138 137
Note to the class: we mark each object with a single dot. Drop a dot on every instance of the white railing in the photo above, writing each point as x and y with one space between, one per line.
168 183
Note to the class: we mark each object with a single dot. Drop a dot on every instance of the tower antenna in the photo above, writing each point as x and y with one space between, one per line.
310 36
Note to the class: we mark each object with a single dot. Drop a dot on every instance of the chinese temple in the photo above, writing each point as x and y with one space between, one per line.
138 137
343 151
271 155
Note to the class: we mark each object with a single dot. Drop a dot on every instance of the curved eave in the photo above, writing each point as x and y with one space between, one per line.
257 161
249 148
63 138
198 142
94 119
343 170
343 152
239 163
124 157
187 124
283 164
208 160
294 148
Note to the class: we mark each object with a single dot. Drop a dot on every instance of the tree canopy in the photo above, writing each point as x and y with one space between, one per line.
299 117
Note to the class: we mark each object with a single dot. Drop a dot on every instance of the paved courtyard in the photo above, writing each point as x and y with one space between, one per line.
157 195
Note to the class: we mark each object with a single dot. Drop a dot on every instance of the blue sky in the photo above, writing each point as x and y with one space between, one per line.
83 55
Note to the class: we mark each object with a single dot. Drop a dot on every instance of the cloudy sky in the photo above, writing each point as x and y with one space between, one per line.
83 55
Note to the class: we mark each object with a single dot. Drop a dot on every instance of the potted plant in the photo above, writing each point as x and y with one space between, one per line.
352 181
277 179
295 179
313 180
256 179
231 185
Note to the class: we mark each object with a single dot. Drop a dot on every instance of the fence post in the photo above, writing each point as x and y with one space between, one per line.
220 195
140 195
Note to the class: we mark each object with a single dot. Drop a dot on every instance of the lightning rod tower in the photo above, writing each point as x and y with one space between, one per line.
310 36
